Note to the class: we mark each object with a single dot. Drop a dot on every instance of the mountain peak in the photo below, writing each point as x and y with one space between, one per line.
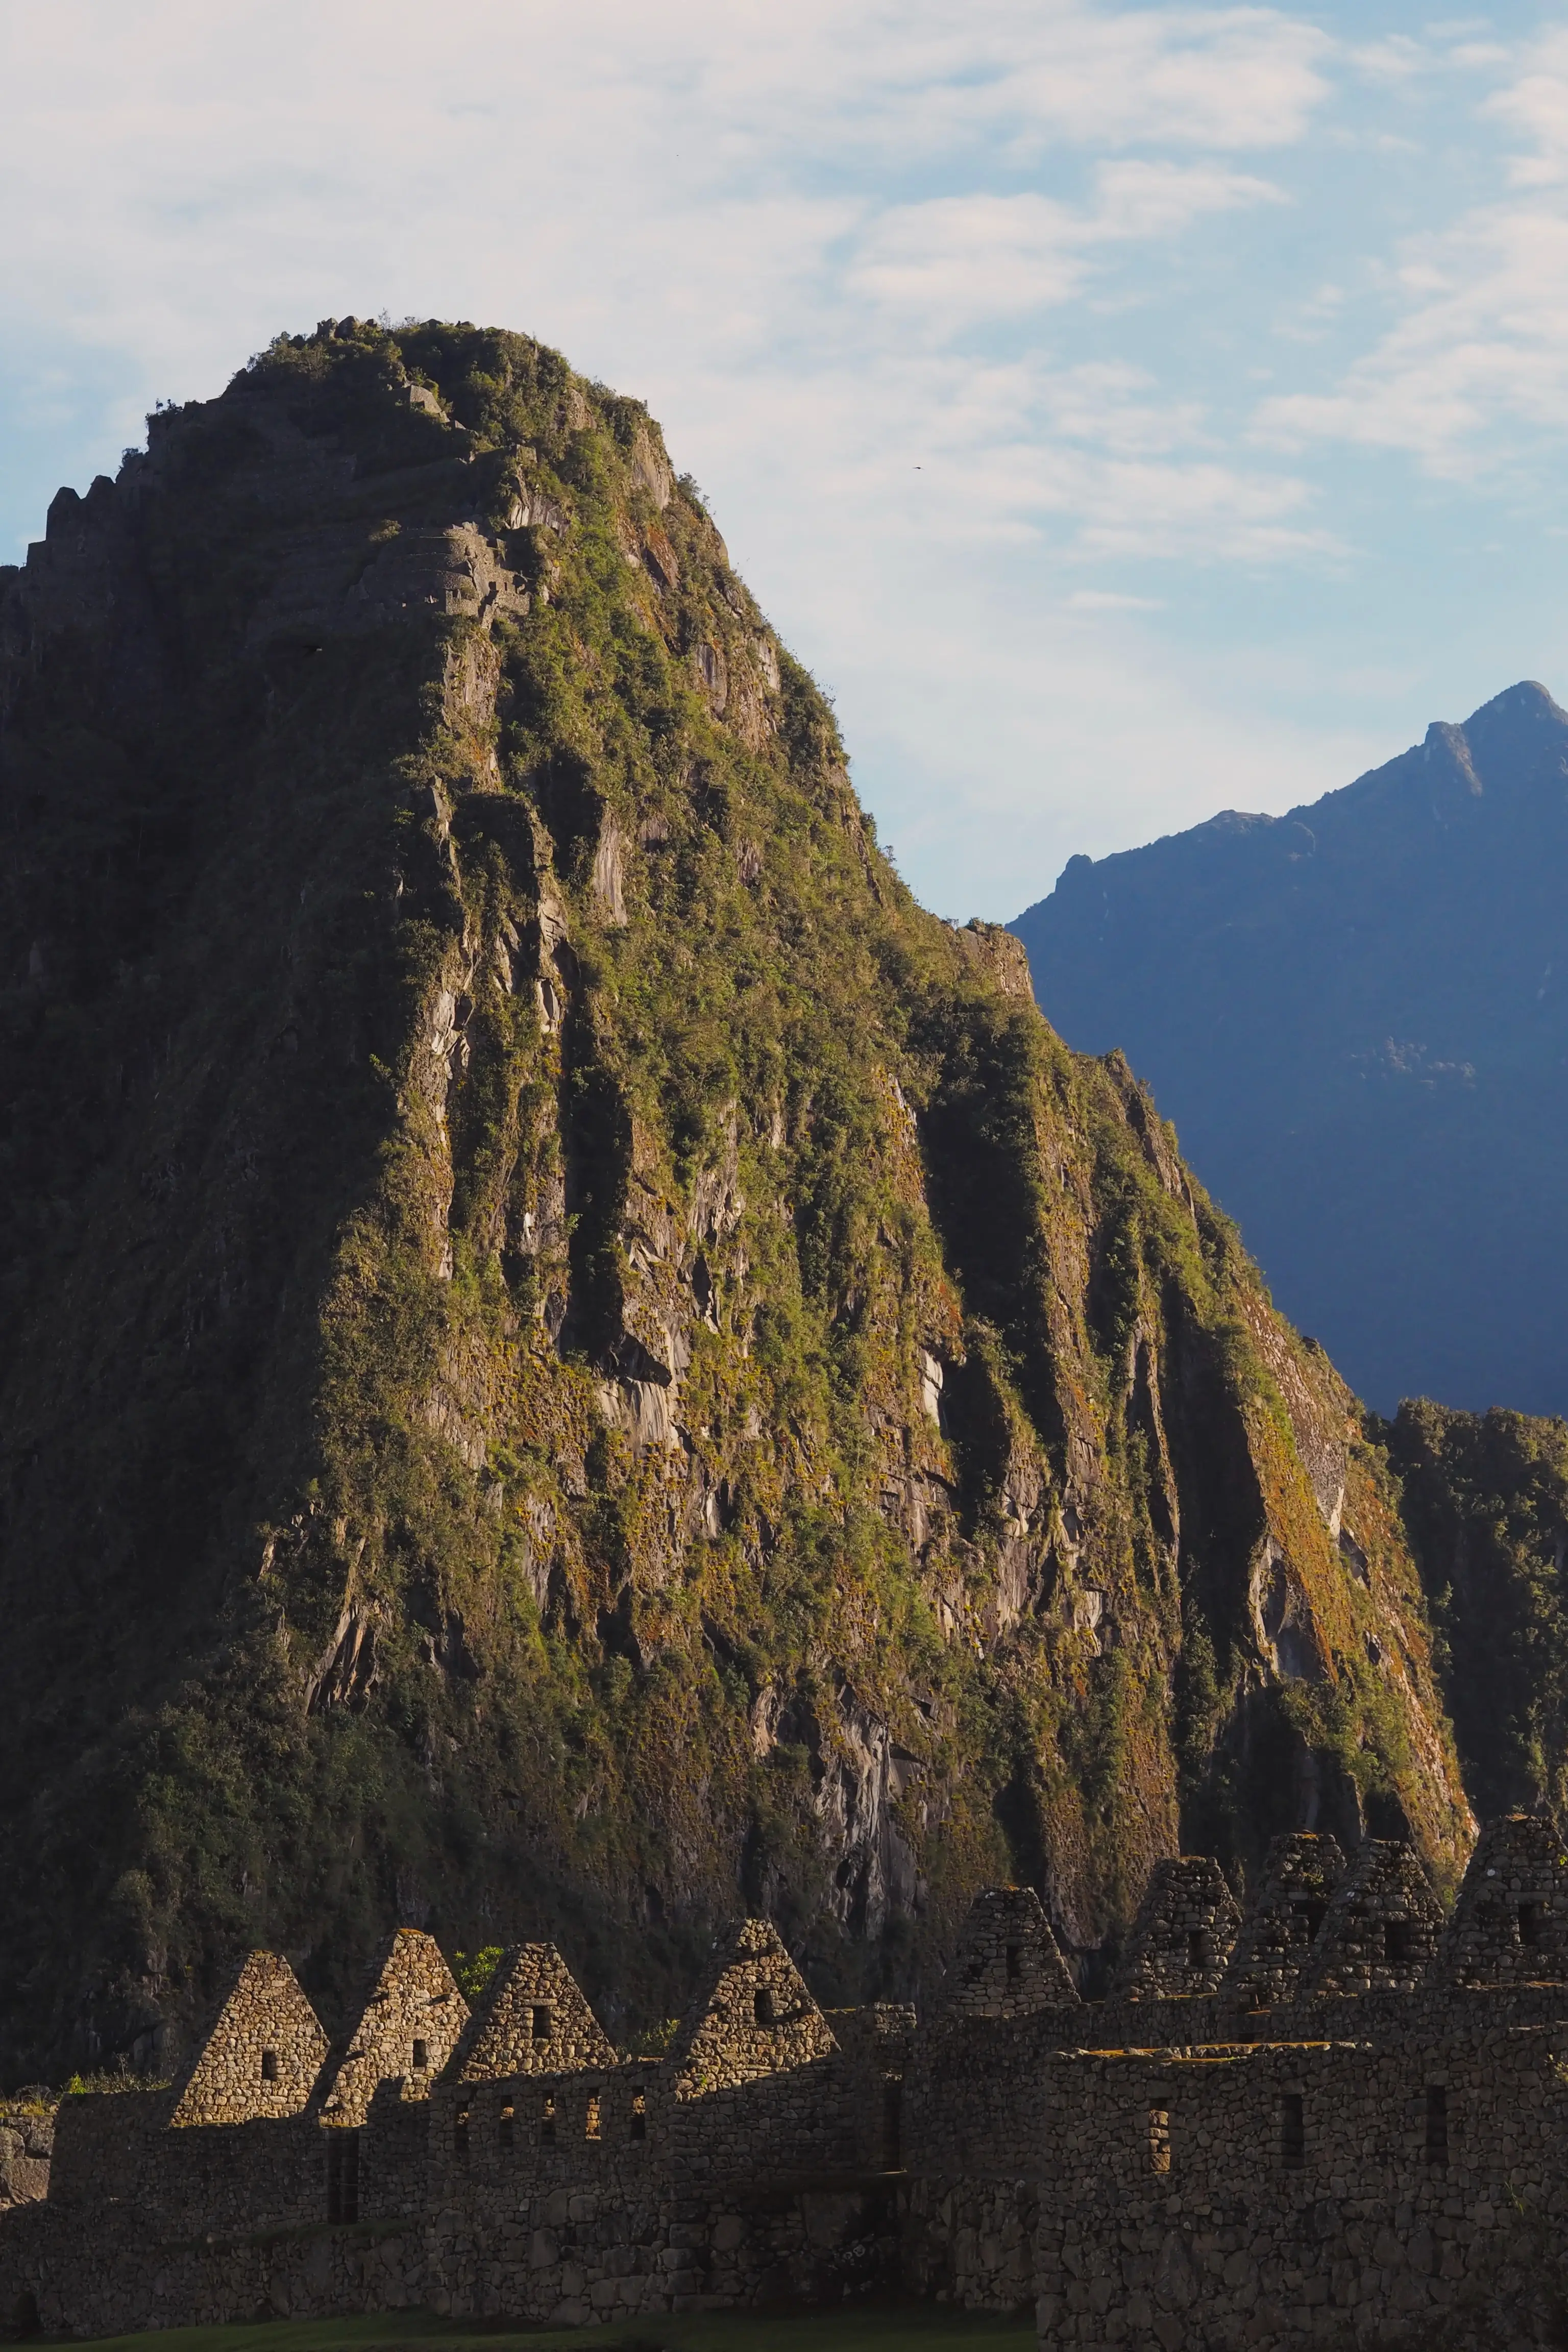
574 1361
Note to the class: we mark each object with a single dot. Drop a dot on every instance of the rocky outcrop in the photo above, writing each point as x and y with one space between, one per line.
27 2144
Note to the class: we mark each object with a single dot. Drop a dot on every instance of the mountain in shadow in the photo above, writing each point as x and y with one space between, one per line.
1357 1016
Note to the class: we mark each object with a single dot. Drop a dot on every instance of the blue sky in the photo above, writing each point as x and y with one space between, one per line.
1128 412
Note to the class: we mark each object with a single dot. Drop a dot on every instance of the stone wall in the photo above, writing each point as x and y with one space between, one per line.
1277 2196
393 2162
1383 1926
1325 2138
72 2275
754 2019
1282 1925
608 2251
1510 1923
27 2144
128 2148
1261 2194
1007 1963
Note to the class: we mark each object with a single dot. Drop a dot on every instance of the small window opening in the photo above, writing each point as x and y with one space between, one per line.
1399 1942
1159 2139
1292 2131
1437 2124
541 2022
506 2130
1307 1916
1015 1964
639 2116
270 2065
1529 1917
892 2126
1197 1947
421 2056
762 2006
547 2121
342 2175
591 2127
460 2133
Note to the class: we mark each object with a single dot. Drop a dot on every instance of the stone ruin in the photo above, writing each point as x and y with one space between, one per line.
412 2022
535 2021
1184 1933
264 2053
1309 2124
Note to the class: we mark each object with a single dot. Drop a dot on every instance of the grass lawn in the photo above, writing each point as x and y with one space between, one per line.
878 2329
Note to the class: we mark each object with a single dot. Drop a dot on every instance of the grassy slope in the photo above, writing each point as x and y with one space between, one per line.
498 1163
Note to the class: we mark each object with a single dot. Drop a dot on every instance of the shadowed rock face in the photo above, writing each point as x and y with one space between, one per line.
1357 1015
574 1361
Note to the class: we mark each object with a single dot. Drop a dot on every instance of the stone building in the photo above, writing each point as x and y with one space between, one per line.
1312 2123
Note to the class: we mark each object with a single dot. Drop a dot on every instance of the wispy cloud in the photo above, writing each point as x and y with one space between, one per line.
1477 351
1111 600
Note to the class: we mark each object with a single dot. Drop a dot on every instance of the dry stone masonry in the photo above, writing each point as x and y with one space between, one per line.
1009 1964
264 2054
756 2019
1380 1931
1184 1933
1317 2123
1281 1928
411 2023
27 2144
533 2021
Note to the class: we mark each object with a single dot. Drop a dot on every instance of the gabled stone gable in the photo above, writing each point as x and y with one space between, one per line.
1380 1931
755 2018
1282 1924
263 2055
531 2020
1183 1934
1509 1925
1007 1963
409 2028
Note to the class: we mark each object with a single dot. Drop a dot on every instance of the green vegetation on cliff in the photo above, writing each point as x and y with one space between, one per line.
1486 1502
574 1361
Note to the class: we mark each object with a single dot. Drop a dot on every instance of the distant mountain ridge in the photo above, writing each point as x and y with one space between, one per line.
1357 1016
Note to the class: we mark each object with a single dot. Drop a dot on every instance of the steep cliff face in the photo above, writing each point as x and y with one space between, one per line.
1486 1507
573 1361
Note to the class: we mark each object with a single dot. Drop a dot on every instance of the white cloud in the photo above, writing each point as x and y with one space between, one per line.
1109 600
1481 347
957 260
